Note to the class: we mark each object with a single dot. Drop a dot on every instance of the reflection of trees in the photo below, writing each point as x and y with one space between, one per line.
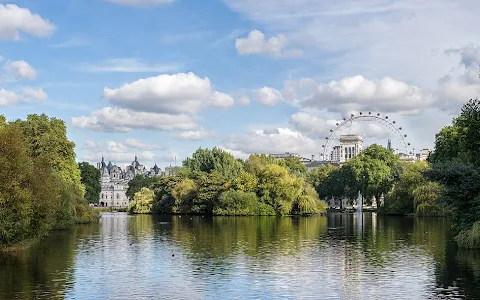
42 271
461 268
218 237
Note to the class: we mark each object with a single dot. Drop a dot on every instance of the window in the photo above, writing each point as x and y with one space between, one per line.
118 196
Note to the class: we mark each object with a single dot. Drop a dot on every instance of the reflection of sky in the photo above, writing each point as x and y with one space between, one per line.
126 263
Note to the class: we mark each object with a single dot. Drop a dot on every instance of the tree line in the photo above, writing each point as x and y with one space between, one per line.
40 181
213 182
447 184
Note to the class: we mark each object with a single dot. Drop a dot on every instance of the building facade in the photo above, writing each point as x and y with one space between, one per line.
350 146
114 181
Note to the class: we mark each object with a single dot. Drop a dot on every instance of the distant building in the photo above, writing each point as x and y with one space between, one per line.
423 155
114 181
350 146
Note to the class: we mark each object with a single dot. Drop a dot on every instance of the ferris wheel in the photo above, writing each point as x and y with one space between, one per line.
359 124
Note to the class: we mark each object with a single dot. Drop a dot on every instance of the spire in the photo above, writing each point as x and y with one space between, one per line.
103 160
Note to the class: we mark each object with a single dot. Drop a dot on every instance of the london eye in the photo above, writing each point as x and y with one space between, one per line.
362 124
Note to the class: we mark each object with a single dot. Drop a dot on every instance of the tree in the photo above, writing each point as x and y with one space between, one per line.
15 195
293 165
137 183
320 179
456 166
372 173
142 202
90 178
47 139
400 200
279 189
256 163
246 182
205 160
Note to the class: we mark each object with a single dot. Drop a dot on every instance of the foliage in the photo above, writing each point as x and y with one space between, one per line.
137 183
39 186
373 172
256 163
205 160
279 189
47 139
456 166
184 194
469 238
319 179
240 203
212 182
411 189
293 165
142 202
427 209
461 192
246 182
90 178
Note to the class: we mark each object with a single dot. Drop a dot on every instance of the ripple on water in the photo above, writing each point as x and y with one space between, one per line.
150 257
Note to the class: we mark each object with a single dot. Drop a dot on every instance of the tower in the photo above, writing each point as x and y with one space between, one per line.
389 144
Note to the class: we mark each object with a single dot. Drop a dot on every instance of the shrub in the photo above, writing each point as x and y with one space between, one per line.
426 209
469 238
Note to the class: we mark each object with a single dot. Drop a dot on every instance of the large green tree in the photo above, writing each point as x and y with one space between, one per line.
206 160
90 178
456 165
47 139
372 173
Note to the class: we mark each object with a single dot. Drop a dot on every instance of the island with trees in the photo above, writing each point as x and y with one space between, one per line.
42 187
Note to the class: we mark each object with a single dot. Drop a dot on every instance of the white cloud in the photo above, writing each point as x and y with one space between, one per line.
243 101
235 153
14 19
401 39
461 84
113 119
359 94
196 135
125 65
269 96
178 93
141 3
114 151
256 43
134 143
9 98
312 126
35 94
275 140
20 69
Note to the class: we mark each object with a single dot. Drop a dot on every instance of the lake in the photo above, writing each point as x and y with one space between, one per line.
338 256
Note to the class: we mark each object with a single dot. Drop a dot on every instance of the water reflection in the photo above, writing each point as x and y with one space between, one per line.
338 256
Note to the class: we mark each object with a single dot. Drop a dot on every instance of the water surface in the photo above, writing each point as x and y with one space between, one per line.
338 256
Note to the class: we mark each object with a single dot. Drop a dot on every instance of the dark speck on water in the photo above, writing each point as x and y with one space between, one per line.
337 256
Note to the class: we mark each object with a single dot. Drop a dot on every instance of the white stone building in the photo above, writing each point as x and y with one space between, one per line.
350 146
114 182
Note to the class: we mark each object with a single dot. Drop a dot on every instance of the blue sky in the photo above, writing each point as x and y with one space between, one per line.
160 78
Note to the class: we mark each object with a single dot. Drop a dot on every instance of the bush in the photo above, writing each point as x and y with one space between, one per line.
142 202
469 238
426 209
236 203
